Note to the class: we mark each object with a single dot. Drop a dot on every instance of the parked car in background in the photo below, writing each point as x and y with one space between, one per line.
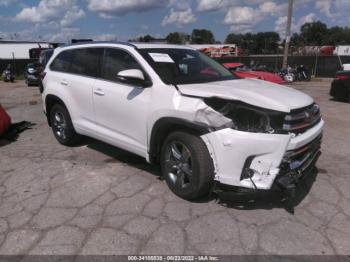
31 74
177 107
340 88
243 71
346 67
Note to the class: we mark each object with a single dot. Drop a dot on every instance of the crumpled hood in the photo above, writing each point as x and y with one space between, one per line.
251 91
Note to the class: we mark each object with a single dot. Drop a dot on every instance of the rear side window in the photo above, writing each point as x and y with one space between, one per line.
62 62
87 62
116 60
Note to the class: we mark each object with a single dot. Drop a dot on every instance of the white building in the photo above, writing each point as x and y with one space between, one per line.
19 49
342 50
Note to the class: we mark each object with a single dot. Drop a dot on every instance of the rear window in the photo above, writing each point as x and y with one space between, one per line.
83 61
87 62
62 62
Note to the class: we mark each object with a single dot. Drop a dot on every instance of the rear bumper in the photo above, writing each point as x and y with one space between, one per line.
261 161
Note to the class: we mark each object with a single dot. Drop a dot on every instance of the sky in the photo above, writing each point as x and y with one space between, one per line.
62 20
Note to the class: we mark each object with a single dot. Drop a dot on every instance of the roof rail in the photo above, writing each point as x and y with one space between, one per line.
99 42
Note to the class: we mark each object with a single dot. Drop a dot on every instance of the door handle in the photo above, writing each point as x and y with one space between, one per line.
99 92
64 82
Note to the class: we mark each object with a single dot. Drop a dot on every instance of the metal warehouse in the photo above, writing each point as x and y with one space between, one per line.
19 49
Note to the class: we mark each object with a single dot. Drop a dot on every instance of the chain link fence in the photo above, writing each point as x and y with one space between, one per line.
319 66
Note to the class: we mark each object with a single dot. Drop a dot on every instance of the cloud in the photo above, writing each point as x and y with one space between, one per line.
273 9
210 5
105 37
5 35
324 6
333 8
281 26
65 35
242 18
281 23
307 19
48 10
179 17
108 8
71 16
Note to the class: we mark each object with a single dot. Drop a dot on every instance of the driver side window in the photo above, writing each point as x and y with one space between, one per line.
116 60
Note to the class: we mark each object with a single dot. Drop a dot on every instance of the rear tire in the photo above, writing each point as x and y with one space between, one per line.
62 126
186 165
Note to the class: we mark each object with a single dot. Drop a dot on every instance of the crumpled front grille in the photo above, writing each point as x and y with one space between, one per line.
300 120
303 153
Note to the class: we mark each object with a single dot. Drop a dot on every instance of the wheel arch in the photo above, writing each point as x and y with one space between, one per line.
166 125
50 101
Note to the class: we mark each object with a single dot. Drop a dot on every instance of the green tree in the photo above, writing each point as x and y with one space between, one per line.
314 33
177 38
202 36
296 40
236 39
337 36
146 38
260 43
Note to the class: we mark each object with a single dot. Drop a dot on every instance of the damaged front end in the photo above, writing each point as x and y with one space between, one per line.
252 147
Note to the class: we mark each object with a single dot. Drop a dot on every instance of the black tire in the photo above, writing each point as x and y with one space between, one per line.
199 183
62 126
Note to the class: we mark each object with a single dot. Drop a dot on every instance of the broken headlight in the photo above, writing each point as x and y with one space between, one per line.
248 118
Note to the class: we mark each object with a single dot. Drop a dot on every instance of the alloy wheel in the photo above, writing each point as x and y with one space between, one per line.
178 160
59 125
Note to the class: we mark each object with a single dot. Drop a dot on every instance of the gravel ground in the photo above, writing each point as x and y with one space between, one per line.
97 199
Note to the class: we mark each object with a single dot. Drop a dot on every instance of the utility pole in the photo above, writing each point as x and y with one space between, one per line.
288 31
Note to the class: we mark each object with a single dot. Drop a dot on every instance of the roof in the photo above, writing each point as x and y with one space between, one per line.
130 44
151 45
23 42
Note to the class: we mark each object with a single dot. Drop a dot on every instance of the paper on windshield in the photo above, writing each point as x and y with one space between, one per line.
161 58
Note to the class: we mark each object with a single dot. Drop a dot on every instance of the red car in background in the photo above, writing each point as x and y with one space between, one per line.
241 70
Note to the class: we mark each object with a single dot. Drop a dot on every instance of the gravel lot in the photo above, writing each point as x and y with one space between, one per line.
96 199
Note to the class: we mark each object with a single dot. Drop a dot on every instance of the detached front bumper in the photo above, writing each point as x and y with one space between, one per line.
259 161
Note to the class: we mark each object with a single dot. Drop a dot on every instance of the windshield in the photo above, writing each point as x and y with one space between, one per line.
184 66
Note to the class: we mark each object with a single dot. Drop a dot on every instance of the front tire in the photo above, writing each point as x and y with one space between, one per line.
62 126
186 165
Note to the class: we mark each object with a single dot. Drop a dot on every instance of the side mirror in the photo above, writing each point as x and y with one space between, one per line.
131 75
134 77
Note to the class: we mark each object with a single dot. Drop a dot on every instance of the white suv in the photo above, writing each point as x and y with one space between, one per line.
175 106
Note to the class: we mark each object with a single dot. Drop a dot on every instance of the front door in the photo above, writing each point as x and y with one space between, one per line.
121 108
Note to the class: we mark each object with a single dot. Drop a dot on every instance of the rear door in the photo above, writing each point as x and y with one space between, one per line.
75 72
121 108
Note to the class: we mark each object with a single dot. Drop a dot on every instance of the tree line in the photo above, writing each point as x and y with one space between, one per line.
311 34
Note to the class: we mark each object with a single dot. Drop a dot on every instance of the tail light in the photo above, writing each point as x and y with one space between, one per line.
342 77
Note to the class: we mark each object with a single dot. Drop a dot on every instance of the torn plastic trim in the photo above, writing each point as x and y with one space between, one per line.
230 149
212 118
198 112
